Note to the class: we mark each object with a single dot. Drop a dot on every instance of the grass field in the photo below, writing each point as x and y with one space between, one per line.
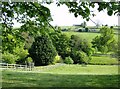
103 60
63 76
85 35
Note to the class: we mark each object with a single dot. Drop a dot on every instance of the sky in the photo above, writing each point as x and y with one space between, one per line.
62 17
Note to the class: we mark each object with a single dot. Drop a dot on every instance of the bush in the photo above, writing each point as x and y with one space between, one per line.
79 44
42 50
80 30
68 60
22 53
57 59
29 59
79 57
86 29
9 58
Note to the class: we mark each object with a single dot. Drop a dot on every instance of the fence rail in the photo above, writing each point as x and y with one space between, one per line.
30 66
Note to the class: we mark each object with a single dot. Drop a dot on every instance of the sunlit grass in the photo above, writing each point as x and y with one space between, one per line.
64 76
85 35
105 60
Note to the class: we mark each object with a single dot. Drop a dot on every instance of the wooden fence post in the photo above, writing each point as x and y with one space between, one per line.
14 66
25 67
7 65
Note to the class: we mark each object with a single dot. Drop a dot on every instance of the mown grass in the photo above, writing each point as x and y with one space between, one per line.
103 60
84 69
63 76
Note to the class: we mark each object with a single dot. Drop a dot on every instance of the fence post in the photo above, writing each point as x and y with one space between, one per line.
14 66
7 65
25 67
20 66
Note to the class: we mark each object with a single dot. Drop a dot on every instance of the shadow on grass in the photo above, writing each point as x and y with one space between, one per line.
20 80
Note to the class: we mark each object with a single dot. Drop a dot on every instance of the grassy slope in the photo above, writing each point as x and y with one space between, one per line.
103 60
64 76
85 35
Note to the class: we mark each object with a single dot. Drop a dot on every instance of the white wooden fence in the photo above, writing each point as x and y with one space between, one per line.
29 67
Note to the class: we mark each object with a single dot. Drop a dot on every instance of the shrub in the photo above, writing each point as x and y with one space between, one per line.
86 29
22 53
9 58
79 57
42 50
78 44
57 59
29 59
80 30
68 60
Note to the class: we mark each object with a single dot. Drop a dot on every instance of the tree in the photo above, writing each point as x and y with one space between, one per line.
80 44
42 50
106 41
81 50
21 11
61 43
11 39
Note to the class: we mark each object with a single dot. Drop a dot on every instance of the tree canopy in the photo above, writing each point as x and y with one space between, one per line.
40 15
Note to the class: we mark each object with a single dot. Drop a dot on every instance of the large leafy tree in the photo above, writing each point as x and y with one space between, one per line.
106 41
61 43
24 11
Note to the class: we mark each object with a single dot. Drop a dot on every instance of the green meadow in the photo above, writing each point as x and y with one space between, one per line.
85 35
63 76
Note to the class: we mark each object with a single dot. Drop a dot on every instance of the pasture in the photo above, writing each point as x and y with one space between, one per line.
86 35
95 76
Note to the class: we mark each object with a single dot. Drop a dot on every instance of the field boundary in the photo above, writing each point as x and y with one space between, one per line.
16 66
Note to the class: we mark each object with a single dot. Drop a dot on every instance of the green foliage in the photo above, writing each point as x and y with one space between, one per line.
61 43
21 53
11 38
77 44
106 41
57 59
42 16
79 57
103 49
9 58
68 60
83 8
42 50
23 11
29 59
86 29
